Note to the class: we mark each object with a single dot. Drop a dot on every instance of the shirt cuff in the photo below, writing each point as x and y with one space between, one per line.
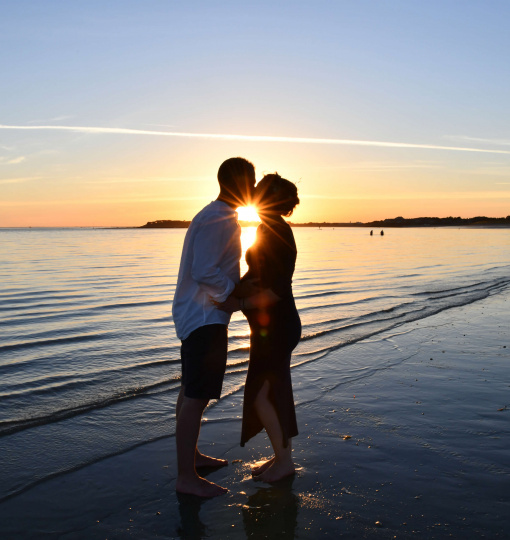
225 294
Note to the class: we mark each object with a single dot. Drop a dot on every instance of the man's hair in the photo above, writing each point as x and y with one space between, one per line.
233 171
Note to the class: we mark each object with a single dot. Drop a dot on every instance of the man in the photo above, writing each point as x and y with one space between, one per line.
209 270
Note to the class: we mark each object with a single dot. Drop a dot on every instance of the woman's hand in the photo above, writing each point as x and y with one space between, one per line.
230 305
247 287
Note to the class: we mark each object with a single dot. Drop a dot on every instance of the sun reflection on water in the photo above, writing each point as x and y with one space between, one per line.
248 235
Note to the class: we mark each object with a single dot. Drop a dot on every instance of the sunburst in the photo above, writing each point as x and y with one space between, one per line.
247 213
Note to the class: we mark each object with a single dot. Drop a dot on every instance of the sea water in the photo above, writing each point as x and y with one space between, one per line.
89 359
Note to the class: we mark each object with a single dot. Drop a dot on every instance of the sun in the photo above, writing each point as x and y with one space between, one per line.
247 213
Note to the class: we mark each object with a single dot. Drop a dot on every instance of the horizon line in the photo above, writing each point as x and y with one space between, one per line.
252 138
251 223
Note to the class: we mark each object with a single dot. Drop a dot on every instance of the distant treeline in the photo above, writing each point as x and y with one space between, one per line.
395 222
439 222
166 224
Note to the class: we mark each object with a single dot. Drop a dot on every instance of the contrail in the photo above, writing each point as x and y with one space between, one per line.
252 138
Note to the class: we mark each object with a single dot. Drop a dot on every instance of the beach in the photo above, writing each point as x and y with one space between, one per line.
418 451
390 121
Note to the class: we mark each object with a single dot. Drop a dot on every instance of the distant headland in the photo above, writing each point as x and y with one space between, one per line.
480 221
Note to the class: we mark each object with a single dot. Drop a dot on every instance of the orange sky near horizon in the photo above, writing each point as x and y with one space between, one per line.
115 117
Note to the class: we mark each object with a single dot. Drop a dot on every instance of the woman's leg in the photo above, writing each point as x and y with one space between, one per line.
281 465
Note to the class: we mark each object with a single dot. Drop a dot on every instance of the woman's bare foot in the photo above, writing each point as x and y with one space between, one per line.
200 487
201 460
276 471
259 469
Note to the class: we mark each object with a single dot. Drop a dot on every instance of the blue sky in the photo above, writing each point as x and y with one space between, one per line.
424 73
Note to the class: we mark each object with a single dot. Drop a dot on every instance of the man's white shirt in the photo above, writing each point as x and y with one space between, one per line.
209 268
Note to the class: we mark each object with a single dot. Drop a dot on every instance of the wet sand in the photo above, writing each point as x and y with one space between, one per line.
417 449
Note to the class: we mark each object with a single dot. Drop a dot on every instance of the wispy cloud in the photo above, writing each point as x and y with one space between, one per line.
149 179
251 138
60 118
381 166
113 201
12 161
19 180
435 195
502 142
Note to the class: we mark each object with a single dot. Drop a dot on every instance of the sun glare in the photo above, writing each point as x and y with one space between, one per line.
248 236
247 213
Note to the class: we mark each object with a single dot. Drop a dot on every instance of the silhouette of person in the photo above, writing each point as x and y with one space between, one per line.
209 269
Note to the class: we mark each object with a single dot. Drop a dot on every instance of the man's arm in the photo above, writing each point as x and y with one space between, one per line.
212 243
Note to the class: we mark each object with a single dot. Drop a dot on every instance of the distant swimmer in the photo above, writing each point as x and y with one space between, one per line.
371 233
382 233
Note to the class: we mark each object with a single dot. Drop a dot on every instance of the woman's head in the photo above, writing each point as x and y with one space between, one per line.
276 195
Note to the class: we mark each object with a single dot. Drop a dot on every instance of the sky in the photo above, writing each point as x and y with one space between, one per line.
117 113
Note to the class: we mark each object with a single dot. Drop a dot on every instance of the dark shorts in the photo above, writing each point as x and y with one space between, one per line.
203 361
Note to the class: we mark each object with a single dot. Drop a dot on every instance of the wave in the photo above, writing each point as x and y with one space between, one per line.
8 427
318 340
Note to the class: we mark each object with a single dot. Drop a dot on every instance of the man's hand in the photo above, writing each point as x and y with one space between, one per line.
230 305
246 288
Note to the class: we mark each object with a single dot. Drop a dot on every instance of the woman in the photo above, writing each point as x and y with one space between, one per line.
275 327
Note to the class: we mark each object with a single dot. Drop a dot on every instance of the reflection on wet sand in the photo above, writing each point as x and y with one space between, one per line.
272 510
191 528
269 511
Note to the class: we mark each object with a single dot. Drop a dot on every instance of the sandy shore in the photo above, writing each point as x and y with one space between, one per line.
416 449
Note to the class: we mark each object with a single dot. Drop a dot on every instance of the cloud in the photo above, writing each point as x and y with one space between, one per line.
149 179
251 138
12 161
17 160
381 166
54 119
501 142
116 200
19 180
435 195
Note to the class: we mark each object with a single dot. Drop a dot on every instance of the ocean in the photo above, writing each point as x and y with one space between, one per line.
89 359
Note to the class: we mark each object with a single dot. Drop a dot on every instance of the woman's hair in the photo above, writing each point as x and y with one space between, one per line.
276 195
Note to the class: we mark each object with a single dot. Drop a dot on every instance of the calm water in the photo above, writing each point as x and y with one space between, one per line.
89 361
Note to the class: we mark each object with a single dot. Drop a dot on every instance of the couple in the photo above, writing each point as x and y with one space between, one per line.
209 289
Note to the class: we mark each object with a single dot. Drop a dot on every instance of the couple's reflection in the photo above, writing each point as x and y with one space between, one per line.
271 512
191 527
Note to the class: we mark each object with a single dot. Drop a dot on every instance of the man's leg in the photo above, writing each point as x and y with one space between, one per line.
201 460
203 357
188 428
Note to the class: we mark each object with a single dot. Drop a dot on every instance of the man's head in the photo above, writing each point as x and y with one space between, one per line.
236 177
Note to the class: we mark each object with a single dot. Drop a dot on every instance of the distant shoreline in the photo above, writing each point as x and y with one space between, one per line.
398 222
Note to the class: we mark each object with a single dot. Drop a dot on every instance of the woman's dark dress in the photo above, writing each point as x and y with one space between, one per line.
275 330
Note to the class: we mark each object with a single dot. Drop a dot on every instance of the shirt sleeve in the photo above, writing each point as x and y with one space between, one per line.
213 243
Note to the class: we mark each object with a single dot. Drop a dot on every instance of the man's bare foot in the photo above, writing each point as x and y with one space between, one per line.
276 471
259 469
200 487
201 460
